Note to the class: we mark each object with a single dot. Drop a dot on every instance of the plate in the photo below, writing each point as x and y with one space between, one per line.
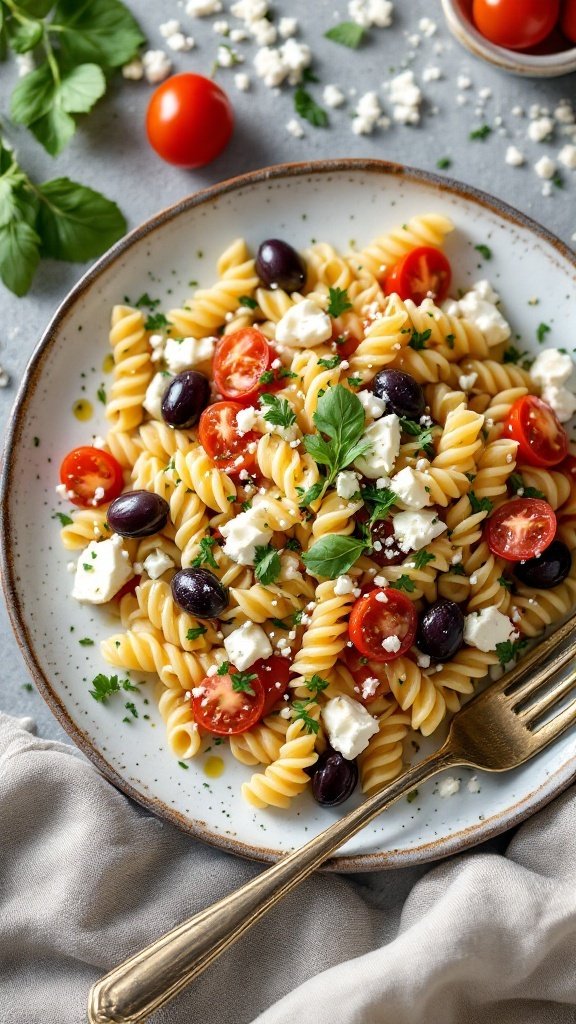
338 201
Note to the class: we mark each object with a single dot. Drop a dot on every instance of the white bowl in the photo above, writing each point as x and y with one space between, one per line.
552 65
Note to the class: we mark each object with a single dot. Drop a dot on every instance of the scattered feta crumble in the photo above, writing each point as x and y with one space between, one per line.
242 81
479 306
347 484
514 158
243 534
344 585
467 381
133 71
154 395
406 98
545 168
561 400
157 563
333 96
540 129
367 13
367 115
246 645
295 129
157 66
448 786
410 488
567 157
473 786
203 8
188 352
551 367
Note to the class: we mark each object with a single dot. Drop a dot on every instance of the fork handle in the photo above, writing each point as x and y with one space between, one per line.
148 980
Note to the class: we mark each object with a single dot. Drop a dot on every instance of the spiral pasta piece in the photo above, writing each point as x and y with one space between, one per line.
208 308
161 440
532 614
181 729
87 524
258 603
144 652
552 484
384 338
286 777
454 337
124 446
133 369
442 400
156 603
314 379
464 668
493 377
488 584
197 472
326 634
382 760
279 462
425 365
262 743
430 229
335 516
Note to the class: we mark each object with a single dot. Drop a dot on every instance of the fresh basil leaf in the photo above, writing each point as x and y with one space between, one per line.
19 255
331 556
346 33
319 449
306 106
33 96
8 202
75 222
36 8
103 33
24 35
312 494
80 88
340 415
55 129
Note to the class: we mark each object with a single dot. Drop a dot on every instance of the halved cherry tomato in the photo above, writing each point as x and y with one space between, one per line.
345 345
86 471
224 710
424 272
541 437
218 433
568 22
239 362
514 25
274 674
383 615
128 588
365 672
521 528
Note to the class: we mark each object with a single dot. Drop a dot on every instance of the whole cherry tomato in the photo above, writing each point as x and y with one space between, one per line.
568 20
189 120
515 24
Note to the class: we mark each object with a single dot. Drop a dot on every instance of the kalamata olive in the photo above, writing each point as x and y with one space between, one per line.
186 396
277 263
549 570
402 394
441 630
199 592
138 514
334 778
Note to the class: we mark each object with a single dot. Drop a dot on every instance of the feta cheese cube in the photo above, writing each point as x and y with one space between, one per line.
304 325
349 726
155 393
101 571
487 628
479 306
245 420
157 563
347 484
373 406
551 367
414 530
410 487
540 129
562 401
246 645
188 352
244 534
383 436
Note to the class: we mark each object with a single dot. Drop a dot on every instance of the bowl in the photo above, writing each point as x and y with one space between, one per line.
531 65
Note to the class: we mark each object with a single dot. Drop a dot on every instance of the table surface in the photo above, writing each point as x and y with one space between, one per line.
110 151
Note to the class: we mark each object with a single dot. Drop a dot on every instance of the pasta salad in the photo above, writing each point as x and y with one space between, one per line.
330 500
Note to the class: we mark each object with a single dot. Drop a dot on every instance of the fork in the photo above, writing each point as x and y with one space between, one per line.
499 729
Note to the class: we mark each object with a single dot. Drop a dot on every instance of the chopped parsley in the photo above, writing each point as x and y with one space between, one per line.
131 707
443 163
480 504
300 713
355 382
293 544
267 564
279 412
424 435
184 765
517 484
105 686
246 300
481 133
86 642
223 670
485 251
419 339
195 631
541 331
404 583
241 682
330 362
412 796
101 394
338 302
205 557
346 33
422 558
64 519
156 322
381 500
305 105
316 684
510 650
507 584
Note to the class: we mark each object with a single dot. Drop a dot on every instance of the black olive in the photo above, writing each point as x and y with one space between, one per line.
199 592
549 570
441 630
334 778
277 263
138 514
402 394
185 398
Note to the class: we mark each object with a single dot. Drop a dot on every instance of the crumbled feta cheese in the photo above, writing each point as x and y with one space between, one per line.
514 158
245 420
427 27
473 786
373 406
133 71
287 62
347 484
551 367
304 325
414 530
545 168
422 660
391 644
540 129
203 8
264 32
242 81
406 98
567 156
410 488
154 395
157 563
222 28
479 306
157 343
448 786
487 628
168 28
250 10
371 12
246 645
226 57
157 66
344 585
368 114
180 43
333 96
464 82
295 129
383 438
466 381
431 74
189 352
562 401
349 726
369 686
287 27
101 571
4 378
244 534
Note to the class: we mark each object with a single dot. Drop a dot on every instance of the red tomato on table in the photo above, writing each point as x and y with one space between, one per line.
218 433
541 437
86 471
423 272
568 20
382 615
521 528
189 120
515 24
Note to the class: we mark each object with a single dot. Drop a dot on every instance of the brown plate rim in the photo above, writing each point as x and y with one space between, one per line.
442 847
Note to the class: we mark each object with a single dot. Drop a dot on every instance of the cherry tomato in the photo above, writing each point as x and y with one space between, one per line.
189 120
568 22
366 671
128 588
424 272
345 345
86 471
218 433
521 528
223 710
381 615
513 24
239 362
541 437
568 467
274 674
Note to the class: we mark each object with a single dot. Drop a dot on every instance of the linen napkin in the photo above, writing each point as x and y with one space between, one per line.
87 878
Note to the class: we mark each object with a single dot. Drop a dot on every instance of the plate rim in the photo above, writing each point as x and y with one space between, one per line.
439 848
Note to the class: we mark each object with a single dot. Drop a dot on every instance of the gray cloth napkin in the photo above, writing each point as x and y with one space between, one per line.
87 878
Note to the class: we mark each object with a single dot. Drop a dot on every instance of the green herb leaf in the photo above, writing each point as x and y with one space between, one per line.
330 363
86 642
443 163
340 415
156 322
485 251
293 544
517 484
301 713
307 108
338 302
312 494
184 765
241 682
267 564
75 222
316 684
334 555
404 583
355 382
19 255
481 133
480 504
131 707
101 394
379 500
205 557
424 435
105 686
24 35
510 650
246 300
346 33
267 377
541 331
103 33
422 558
33 96
195 631
278 411
64 519
419 339
507 584
223 670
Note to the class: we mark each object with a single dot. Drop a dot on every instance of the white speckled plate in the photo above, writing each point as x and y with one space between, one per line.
336 201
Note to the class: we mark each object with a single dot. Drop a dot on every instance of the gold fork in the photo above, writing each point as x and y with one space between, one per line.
498 730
